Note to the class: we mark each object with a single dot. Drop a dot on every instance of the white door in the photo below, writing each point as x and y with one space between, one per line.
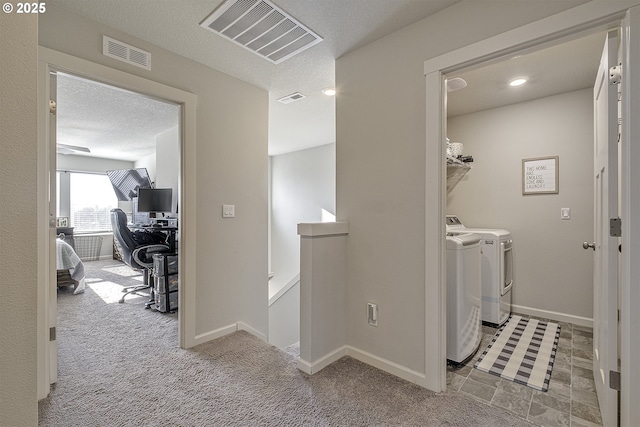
605 307
53 285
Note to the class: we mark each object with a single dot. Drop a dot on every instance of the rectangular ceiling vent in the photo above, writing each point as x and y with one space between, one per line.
291 98
262 27
126 53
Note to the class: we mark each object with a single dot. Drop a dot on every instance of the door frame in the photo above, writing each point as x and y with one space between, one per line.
564 26
52 61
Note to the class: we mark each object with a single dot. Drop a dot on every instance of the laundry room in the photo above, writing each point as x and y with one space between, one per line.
494 129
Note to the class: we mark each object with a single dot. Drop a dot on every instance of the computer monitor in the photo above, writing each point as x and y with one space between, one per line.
154 199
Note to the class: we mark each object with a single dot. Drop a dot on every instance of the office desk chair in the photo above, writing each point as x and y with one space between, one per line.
135 255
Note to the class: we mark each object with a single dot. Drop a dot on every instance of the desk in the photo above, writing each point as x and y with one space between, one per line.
170 231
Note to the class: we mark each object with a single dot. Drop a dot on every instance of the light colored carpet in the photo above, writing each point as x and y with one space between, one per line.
120 365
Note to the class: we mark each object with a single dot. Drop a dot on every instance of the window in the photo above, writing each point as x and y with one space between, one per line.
91 198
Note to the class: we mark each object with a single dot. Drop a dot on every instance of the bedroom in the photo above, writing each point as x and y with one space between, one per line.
102 128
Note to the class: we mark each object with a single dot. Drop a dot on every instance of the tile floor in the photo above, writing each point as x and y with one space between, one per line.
571 400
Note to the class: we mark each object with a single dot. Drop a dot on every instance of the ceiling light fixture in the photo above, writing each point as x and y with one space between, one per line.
456 83
518 82
329 91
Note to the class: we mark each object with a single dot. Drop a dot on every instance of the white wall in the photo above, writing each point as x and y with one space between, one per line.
168 162
149 163
553 271
380 175
302 184
18 220
230 168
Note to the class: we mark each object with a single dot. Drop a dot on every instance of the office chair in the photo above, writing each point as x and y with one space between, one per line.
135 255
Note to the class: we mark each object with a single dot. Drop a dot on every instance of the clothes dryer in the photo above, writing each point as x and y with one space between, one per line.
496 248
464 289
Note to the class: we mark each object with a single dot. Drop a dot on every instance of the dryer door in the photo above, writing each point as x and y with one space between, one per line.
506 268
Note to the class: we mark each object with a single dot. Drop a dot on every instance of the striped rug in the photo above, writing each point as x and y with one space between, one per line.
523 351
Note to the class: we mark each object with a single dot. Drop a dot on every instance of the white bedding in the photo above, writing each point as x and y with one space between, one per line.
67 259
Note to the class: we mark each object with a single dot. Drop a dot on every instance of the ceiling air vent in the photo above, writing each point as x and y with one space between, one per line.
126 53
291 98
262 27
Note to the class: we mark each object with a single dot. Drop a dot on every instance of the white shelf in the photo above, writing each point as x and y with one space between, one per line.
452 161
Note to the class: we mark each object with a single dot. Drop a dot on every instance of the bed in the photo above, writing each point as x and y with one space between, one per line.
70 269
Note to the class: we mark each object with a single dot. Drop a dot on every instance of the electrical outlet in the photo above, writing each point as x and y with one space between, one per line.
372 314
228 211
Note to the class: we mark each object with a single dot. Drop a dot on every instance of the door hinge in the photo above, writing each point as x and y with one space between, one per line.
52 106
614 380
52 334
615 227
615 75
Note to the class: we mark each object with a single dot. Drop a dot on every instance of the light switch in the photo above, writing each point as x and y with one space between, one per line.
228 211
565 213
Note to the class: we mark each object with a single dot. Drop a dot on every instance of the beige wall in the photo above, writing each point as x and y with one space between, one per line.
552 270
231 168
18 220
303 183
380 178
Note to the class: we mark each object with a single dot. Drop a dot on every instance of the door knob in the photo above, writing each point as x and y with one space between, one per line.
587 245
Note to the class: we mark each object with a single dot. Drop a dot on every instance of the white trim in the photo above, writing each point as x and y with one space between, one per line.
594 15
51 59
568 24
323 362
212 335
284 289
435 326
364 357
227 330
387 366
43 264
553 315
241 326
316 229
630 199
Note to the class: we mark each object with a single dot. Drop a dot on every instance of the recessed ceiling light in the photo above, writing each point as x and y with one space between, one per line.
329 91
518 82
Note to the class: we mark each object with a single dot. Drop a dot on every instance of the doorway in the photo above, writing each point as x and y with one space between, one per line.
572 25
553 273
101 132
52 62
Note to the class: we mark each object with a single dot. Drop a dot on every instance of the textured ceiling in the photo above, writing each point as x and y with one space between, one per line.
113 123
344 25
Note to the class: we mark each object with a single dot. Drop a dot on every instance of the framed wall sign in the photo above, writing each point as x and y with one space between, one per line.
540 175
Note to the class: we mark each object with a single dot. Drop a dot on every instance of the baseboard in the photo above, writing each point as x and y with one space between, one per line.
364 357
553 315
218 333
323 362
244 327
226 330
388 366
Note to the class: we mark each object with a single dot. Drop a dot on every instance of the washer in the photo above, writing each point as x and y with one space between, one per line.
497 270
464 290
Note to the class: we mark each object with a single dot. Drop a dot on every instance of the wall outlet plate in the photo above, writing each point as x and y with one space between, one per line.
228 211
372 314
